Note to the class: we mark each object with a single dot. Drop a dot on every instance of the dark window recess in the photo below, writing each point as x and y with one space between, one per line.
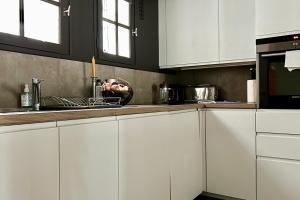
44 27
82 30
35 25
116 31
146 44
128 33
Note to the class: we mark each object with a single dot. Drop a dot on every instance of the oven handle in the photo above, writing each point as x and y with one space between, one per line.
272 55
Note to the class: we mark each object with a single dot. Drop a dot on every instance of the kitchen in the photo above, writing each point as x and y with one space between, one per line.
149 99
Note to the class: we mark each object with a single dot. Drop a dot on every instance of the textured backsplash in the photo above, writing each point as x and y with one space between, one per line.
72 78
69 78
231 81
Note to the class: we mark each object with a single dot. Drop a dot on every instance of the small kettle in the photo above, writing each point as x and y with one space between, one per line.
171 94
164 93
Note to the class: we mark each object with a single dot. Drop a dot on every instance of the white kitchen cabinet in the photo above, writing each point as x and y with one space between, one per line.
278 179
278 121
143 157
89 160
230 148
277 17
278 162
29 162
190 35
237 31
206 32
267 145
186 160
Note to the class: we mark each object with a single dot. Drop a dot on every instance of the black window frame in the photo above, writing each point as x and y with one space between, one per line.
19 41
99 46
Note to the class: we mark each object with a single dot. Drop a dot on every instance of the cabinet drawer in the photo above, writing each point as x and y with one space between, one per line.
278 179
278 122
278 146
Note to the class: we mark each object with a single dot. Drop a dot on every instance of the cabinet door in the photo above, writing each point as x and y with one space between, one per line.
278 179
277 17
186 156
89 161
143 158
29 165
192 32
237 31
231 159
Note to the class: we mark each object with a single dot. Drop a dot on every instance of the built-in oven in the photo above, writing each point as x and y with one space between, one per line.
278 88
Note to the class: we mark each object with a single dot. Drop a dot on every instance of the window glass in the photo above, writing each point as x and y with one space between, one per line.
10 17
41 21
109 38
109 9
124 42
123 12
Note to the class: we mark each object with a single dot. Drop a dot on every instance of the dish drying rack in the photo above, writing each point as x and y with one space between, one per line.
55 102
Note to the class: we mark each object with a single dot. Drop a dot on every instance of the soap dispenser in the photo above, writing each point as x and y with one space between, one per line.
26 101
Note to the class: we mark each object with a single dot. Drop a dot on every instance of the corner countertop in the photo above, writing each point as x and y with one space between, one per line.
8 119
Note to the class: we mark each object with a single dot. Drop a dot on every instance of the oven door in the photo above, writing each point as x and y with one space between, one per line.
278 87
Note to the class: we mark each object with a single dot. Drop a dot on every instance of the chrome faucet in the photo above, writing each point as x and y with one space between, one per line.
36 94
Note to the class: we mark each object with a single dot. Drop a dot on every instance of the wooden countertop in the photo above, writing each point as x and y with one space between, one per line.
7 119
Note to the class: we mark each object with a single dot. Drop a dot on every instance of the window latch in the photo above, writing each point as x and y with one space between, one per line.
68 11
135 32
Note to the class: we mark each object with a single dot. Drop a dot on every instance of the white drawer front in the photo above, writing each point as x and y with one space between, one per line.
278 146
278 121
278 179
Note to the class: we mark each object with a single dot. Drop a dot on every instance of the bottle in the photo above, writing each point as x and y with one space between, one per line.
26 97
251 87
98 89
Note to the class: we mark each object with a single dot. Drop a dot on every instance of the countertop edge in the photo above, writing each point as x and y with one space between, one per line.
22 119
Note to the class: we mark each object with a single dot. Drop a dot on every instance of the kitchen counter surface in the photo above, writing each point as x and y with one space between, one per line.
19 118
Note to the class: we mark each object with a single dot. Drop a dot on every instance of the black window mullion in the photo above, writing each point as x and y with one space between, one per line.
52 2
123 26
21 18
110 21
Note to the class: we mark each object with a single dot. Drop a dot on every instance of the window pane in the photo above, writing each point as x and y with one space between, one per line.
10 17
41 21
109 9
123 12
109 38
124 42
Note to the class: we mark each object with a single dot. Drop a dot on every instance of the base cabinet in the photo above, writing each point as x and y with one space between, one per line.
89 161
231 158
29 165
185 144
143 158
278 179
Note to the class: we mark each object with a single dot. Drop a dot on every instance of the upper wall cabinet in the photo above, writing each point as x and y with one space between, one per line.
277 18
237 32
192 32
204 32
